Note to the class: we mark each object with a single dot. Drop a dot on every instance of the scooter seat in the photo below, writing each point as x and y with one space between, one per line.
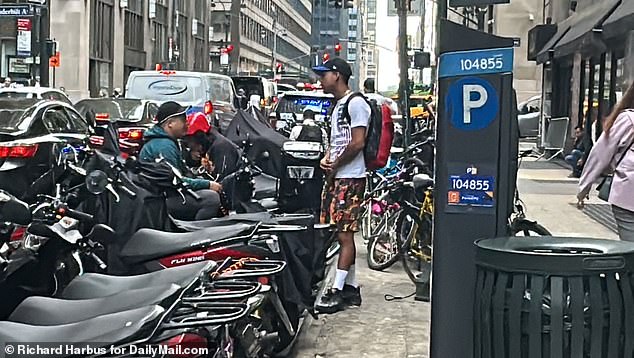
47 311
95 285
120 327
148 244
254 218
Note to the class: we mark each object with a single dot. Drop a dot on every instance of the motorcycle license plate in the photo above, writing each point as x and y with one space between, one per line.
300 172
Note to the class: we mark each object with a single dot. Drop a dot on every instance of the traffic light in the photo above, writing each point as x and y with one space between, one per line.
326 56
348 4
337 49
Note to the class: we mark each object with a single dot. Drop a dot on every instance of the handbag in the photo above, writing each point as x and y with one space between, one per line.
606 184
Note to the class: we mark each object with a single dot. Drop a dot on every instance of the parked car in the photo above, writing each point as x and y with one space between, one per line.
133 117
256 85
529 115
35 93
210 93
291 106
32 134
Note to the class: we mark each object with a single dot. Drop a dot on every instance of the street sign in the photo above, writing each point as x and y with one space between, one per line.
16 10
54 61
23 37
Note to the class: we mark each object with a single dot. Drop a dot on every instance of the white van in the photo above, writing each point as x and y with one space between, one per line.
210 93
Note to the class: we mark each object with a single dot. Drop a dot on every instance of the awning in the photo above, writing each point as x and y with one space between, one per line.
620 22
562 29
585 33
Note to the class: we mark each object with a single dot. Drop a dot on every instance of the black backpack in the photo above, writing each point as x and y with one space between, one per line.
310 133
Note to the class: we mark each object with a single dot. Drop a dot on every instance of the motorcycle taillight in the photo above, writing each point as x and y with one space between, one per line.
186 345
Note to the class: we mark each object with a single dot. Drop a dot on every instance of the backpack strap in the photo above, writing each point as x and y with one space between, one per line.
345 113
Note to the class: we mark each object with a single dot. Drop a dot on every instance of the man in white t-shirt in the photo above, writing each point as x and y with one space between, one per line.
344 165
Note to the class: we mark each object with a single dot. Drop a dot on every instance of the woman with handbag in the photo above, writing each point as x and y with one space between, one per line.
613 151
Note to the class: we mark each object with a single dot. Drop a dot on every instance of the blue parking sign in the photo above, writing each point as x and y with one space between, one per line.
472 104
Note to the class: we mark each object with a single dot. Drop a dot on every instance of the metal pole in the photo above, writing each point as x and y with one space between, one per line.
44 34
440 14
403 67
273 28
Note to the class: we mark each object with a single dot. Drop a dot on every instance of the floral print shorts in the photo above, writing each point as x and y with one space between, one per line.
341 203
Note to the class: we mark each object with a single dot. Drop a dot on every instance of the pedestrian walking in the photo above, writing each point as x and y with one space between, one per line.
344 165
613 152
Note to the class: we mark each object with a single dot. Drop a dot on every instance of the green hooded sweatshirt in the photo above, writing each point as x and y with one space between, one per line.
158 143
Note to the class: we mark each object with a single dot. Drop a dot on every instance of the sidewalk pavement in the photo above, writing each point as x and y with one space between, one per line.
396 329
377 329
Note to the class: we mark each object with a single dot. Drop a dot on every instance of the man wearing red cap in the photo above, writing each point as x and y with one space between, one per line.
162 141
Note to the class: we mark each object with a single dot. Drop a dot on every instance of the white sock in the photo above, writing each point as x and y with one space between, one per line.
351 279
340 279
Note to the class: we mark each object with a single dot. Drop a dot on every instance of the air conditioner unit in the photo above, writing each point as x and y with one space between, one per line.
123 4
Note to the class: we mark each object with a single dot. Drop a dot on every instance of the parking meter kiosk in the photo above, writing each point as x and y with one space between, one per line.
476 164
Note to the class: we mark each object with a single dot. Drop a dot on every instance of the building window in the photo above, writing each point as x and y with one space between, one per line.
101 29
181 39
101 46
134 25
159 29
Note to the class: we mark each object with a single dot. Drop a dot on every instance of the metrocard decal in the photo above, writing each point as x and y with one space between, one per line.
472 103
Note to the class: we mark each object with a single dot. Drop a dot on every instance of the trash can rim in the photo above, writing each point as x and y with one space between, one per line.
520 245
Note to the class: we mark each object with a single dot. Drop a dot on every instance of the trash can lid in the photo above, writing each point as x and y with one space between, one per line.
547 254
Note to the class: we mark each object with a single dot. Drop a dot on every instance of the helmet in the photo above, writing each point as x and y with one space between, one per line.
197 121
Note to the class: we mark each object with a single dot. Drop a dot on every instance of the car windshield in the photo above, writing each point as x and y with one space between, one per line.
298 104
129 110
11 118
167 88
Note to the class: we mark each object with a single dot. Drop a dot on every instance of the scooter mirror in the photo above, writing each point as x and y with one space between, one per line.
13 210
96 182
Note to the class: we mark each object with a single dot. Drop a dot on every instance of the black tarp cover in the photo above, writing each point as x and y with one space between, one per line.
262 137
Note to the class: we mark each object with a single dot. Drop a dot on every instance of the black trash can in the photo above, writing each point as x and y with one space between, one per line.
552 297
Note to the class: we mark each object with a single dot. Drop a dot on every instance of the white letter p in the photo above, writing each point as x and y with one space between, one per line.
468 104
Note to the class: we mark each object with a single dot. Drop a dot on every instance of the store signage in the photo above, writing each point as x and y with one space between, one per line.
23 38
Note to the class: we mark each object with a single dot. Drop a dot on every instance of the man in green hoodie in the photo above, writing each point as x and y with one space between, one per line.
162 141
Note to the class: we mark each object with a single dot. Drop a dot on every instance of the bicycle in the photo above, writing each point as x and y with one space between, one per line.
519 225
381 212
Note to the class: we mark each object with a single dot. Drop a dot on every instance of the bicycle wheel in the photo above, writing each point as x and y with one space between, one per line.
523 227
383 247
415 244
